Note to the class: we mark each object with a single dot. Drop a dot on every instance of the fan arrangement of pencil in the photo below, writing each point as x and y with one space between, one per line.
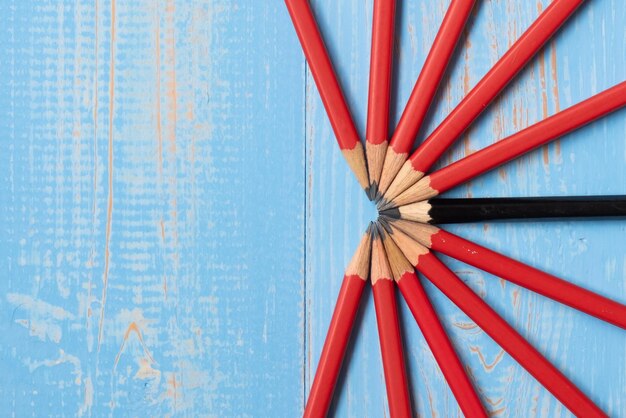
404 239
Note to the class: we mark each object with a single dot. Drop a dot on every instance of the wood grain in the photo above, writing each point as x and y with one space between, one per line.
143 273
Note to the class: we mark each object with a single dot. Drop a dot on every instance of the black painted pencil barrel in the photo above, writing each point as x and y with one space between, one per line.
447 211
485 209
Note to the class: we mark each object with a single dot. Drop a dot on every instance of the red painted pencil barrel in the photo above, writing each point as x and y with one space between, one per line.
391 349
513 343
380 71
323 73
440 345
434 67
334 348
530 138
492 83
530 278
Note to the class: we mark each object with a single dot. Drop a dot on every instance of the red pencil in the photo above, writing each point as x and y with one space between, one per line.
389 332
339 330
490 322
521 274
482 94
379 86
424 90
515 145
328 86
435 336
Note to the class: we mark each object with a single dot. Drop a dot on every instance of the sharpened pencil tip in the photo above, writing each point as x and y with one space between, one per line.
378 229
374 233
372 192
383 222
393 213
380 204
379 196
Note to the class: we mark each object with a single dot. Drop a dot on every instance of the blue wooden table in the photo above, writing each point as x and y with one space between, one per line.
175 215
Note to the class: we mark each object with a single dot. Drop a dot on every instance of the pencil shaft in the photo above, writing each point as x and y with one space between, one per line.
493 83
444 211
440 345
335 346
377 129
529 277
391 349
323 72
380 71
431 74
530 138
512 342
424 90
328 87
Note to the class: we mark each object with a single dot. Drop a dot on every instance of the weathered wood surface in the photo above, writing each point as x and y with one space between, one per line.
143 273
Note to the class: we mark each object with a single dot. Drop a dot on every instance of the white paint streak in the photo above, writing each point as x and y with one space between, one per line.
42 318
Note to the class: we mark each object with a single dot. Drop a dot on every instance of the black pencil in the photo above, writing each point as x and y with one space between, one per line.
447 211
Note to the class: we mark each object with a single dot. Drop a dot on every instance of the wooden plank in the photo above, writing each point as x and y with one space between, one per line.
139 267
152 219
584 58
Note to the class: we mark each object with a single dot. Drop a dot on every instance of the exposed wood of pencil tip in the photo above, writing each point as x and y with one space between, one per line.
411 249
406 177
356 160
417 192
380 269
420 232
417 212
360 263
392 164
397 261
375 158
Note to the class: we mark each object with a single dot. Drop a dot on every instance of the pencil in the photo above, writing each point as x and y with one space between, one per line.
329 89
515 145
339 330
389 332
377 128
482 94
424 90
515 272
496 327
436 337
450 211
